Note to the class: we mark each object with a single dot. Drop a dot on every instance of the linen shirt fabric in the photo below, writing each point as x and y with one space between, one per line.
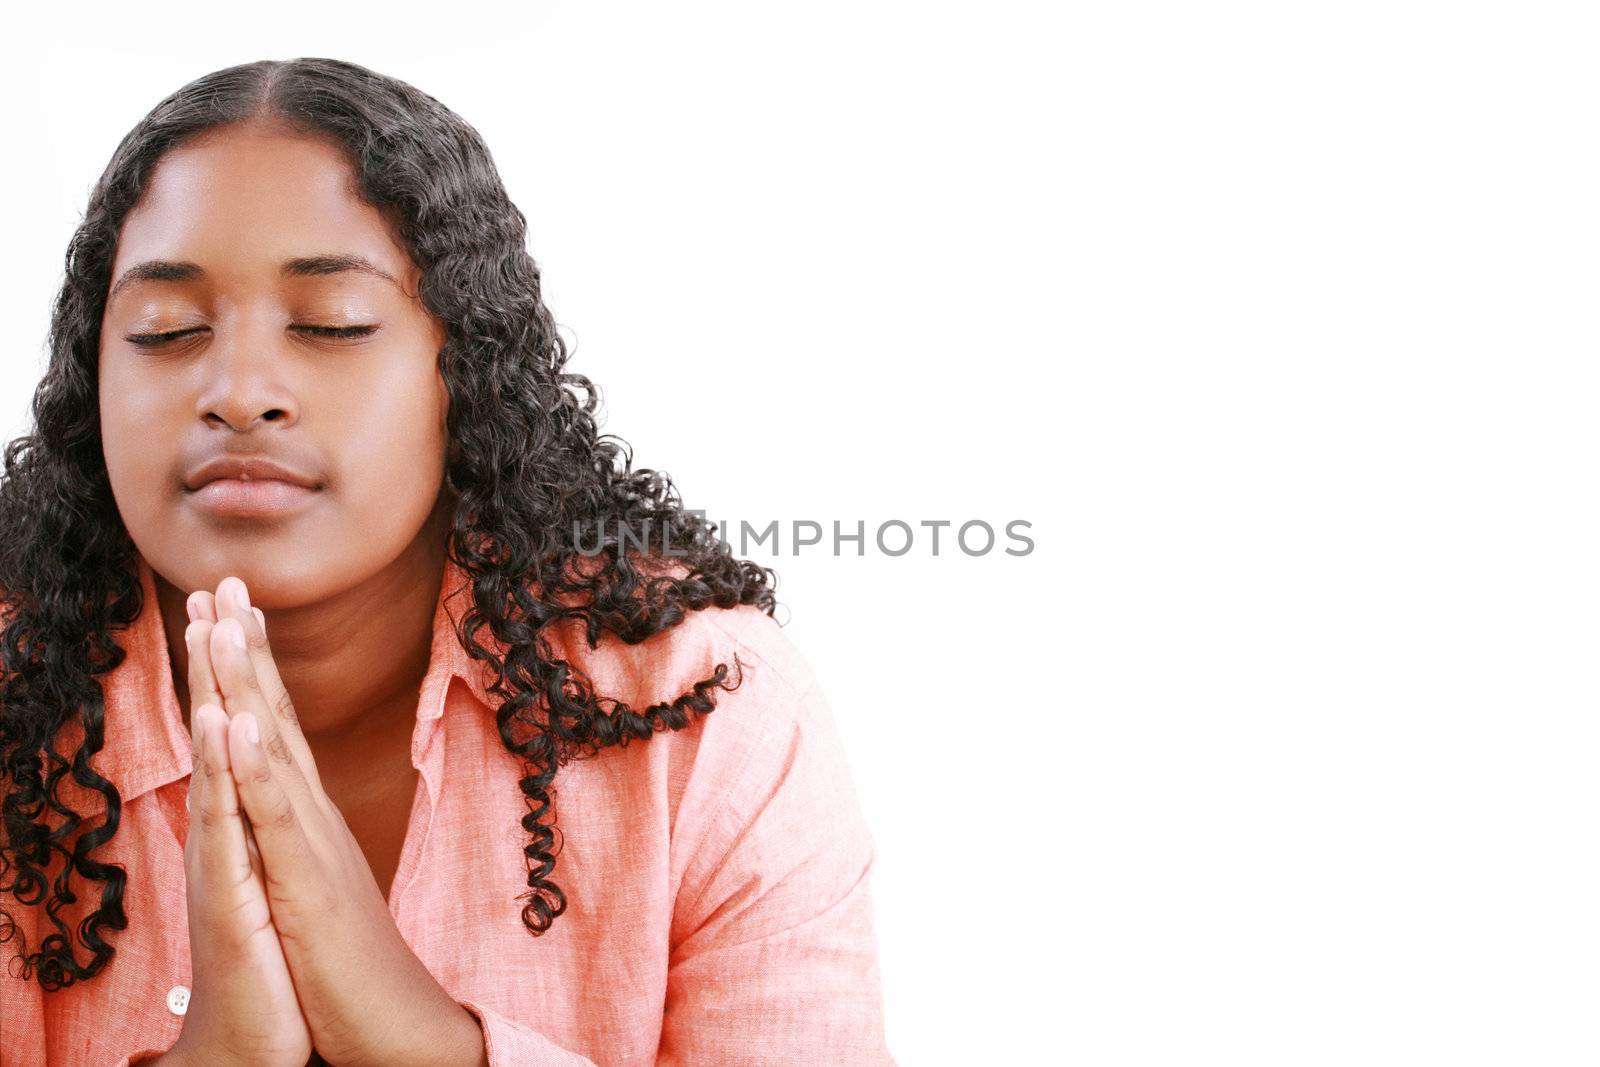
717 877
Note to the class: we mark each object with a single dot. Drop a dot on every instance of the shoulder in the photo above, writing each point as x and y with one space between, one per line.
767 673
757 637
765 684
745 639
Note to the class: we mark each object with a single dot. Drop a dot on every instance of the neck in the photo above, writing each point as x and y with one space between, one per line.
352 663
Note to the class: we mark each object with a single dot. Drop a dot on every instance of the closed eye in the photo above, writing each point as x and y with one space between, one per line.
339 331
335 332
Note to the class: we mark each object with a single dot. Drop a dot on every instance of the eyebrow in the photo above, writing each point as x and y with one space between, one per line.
165 270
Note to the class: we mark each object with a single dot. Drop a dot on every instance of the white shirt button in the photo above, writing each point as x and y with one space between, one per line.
178 999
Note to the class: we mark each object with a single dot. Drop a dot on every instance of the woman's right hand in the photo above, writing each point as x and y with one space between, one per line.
242 1008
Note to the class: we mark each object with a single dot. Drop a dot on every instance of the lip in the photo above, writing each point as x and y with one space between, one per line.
254 499
245 469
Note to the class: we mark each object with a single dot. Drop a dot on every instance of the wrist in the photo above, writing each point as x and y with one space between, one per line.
450 1034
465 1039
179 1055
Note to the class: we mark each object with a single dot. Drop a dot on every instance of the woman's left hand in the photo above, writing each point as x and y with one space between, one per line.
366 997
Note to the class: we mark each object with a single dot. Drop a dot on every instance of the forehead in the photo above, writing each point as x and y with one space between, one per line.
245 198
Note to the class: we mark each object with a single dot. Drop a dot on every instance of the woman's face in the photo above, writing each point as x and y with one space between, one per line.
245 244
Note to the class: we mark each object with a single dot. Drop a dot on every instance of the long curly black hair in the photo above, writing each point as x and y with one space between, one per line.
545 506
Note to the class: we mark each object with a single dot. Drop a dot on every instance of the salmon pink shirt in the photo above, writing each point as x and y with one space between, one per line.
717 877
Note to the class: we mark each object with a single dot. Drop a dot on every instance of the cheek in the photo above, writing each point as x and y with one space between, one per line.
137 445
146 498
392 456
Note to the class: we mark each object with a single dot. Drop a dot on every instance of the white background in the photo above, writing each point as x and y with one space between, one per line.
1277 321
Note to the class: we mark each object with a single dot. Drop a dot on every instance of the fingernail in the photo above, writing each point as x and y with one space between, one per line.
261 618
252 729
244 594
236 635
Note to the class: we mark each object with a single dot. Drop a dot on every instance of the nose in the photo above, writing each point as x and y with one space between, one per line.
245 379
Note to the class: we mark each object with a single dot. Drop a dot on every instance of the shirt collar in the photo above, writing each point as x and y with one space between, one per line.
146 743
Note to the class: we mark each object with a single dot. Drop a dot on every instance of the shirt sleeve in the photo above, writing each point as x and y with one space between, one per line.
510 1044
774 959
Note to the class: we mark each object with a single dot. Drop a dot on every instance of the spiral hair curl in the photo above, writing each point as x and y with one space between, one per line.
544 503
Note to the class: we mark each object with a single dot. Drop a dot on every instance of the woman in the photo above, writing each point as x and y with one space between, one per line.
315 574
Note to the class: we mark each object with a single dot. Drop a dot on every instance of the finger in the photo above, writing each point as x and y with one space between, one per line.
242 694
216 823
201 675
195 772
233 601
280 834
202 605
251 847
202 679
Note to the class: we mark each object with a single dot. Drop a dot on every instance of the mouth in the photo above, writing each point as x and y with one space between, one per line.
251 498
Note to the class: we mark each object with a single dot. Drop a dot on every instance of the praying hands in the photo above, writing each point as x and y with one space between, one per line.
293 947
